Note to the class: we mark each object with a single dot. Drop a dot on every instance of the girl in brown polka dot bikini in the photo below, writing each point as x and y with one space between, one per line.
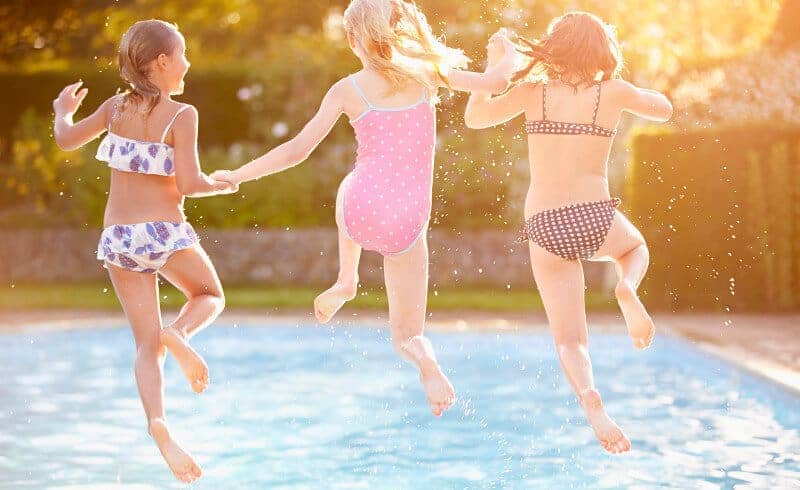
571 77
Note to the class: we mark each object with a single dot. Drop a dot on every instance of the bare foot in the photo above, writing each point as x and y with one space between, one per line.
607 432
331 300
193 366
438 389
640 326
181 463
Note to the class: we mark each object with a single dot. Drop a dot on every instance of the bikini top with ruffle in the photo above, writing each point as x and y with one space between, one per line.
142 157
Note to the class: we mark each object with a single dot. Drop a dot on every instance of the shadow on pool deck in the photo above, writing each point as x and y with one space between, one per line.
768 345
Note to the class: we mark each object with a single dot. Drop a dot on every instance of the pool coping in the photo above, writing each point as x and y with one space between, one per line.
710 333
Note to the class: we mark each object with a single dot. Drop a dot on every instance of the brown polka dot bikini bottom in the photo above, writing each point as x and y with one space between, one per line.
572 232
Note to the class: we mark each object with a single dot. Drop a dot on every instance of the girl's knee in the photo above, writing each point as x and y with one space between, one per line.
641 251
636 249
214 295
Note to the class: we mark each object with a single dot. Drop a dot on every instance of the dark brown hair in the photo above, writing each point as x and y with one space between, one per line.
577 45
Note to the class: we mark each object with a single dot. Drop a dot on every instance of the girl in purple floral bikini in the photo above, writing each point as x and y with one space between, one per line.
151 147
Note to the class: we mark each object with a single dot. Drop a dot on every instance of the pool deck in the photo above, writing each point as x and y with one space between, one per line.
767 345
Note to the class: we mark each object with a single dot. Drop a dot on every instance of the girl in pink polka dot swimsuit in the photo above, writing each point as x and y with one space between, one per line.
384 204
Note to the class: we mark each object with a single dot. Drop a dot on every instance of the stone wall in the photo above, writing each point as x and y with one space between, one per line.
304 257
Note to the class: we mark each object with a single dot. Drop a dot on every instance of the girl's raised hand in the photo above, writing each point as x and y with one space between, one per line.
499 50
70 99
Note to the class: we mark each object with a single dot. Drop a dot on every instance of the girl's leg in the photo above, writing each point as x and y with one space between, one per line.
561 286
138 294
406 279
626 247
344 289
191 271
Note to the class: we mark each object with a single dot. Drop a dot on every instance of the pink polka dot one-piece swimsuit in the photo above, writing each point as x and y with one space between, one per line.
387 195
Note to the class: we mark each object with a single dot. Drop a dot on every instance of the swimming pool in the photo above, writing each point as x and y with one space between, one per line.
317 407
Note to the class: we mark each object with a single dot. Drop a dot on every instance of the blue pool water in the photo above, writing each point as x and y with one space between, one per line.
314 407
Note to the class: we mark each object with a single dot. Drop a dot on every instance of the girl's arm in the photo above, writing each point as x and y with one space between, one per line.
483 110
298 148
70 136
190 179
495 79
645 103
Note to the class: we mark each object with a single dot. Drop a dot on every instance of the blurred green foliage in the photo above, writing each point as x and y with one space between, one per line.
260 68
721 213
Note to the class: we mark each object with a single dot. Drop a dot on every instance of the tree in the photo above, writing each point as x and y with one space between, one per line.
785 33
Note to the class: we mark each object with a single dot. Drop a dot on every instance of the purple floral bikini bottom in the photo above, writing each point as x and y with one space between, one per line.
144 247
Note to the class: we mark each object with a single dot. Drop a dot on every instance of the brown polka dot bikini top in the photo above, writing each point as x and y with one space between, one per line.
543 126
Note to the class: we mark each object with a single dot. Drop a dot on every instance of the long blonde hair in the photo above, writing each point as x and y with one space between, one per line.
397 41
141 44
578 45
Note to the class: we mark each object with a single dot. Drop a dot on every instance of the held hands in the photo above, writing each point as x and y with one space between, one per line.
70 99
224 182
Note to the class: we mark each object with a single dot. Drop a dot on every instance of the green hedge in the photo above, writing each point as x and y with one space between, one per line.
44 186
721 213
223 115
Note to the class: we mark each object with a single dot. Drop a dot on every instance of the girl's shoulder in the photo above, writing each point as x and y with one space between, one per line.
527 91
617 88
185 117
112 104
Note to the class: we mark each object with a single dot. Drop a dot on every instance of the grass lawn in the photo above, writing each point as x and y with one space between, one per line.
100 296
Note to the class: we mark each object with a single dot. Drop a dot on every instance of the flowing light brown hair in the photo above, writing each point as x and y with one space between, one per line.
577 46
398 42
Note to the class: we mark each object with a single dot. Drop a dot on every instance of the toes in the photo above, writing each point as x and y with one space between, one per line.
643 343
618 446
321 317
438 408
185 477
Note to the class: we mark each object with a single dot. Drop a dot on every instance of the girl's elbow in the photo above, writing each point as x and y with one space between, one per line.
667 111
296 153
299 155
498 84
187 188
670 111
64 143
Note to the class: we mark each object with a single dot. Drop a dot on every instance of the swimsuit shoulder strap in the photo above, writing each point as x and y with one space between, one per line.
172 121
596 104
544 102
113 113
360 91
